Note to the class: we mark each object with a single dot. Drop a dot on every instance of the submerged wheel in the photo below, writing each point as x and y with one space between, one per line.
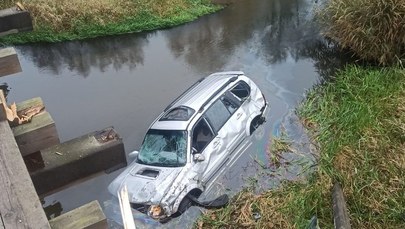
187 202
255 124
184 205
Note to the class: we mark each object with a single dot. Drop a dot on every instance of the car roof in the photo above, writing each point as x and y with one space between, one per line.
196 97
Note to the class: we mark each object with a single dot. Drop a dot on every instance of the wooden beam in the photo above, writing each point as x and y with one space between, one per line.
340 214
19 204
3 116
77 159
38 134
14 20
89 216
9 63
125 207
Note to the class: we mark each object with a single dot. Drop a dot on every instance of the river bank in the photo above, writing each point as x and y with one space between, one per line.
358 120
56 21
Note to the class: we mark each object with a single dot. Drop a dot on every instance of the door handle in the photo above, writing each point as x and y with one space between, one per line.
216 144
238 115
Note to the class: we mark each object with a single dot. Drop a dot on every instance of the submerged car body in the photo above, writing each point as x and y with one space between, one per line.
188 143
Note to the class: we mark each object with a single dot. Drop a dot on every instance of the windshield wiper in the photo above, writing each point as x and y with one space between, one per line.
140 161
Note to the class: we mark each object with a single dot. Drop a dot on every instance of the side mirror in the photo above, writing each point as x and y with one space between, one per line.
198 157
132 156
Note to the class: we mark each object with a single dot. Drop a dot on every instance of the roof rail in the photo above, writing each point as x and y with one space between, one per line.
178 98
238 73
233 79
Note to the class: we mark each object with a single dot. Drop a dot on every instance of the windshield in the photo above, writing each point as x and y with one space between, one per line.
166 148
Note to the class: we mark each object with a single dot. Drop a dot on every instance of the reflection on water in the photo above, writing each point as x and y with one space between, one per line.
126 81
81 56
273 30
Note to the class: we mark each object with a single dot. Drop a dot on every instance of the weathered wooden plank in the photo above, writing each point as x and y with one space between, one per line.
19 204
77 159
38 134
14 20
9 63
340 215
125 207
2 111
88 216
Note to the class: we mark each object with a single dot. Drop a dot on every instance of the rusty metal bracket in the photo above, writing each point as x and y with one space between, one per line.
106 135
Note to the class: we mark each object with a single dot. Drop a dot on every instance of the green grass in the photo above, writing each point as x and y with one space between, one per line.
75 19
361 131
358 122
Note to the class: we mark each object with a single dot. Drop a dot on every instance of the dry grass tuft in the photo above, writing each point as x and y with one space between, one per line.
64 15
249 211
373 29
276 149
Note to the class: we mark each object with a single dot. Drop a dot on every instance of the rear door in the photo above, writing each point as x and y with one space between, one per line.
215 151
225 118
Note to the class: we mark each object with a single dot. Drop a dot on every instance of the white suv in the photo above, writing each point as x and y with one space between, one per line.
196 136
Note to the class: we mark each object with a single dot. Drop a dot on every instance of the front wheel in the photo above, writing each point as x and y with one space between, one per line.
256 122
183 206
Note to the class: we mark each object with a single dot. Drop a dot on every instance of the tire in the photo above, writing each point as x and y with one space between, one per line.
256 122
185 203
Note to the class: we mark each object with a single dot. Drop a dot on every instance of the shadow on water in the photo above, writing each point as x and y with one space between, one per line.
126 81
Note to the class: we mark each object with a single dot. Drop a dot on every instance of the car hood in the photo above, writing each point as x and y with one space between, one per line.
145 184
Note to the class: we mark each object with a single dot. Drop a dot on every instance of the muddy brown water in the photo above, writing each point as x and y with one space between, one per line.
126 81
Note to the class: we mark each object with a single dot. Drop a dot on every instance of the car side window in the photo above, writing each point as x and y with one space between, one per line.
202 135
217 114
231 103
241 90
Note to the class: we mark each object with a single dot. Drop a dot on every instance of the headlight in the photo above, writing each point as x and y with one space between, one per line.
156 212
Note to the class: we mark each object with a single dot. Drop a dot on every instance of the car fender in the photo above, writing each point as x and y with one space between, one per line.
183 194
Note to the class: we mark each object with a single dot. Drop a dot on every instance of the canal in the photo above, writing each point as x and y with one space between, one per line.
126 81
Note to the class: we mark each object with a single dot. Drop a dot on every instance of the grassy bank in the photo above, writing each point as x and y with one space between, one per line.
359 122
76 19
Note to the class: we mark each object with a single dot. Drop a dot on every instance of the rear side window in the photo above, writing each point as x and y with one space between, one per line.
231 103
241 90
217 115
